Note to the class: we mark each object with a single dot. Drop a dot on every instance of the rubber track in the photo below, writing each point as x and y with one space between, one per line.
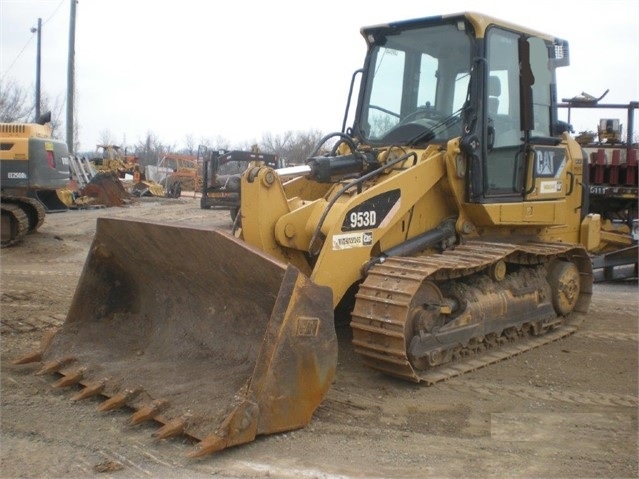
384 298
18 219
40 213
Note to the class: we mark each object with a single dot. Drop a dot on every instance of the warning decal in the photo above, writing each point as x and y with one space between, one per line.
352 240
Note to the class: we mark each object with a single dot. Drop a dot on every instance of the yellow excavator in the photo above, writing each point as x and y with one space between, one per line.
450 219
34 167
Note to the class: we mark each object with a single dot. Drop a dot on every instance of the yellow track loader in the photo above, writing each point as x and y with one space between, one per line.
449 219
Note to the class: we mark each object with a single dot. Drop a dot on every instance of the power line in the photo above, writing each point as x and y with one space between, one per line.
54 12
31 38
19 54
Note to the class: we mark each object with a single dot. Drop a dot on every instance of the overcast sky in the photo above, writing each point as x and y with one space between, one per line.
238 69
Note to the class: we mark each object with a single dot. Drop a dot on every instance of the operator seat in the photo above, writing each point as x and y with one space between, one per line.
506 133
494 90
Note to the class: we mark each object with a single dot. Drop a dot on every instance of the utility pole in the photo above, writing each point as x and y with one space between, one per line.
71 78
38 62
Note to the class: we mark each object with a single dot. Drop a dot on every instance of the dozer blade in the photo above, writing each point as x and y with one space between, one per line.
198 331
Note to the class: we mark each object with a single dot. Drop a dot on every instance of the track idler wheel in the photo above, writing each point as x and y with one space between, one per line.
563 277
426 317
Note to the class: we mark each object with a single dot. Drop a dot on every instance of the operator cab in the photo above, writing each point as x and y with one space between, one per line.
471 77
417 83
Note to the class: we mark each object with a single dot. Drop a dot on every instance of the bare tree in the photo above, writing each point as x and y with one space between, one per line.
16 107
217 143
56 108
14 103
248 145
151 150
276 143
295 147
107 137
189 142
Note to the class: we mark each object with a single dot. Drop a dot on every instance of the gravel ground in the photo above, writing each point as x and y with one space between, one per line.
567 409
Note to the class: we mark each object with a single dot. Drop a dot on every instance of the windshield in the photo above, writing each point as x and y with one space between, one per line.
416 86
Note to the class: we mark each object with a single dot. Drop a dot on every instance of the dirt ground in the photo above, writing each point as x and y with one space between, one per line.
567 409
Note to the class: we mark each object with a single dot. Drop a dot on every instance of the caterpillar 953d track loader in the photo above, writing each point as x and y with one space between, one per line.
450 218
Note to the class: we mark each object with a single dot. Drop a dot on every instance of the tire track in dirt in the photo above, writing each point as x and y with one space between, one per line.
33 272
609 336
35 300
543 394
31 324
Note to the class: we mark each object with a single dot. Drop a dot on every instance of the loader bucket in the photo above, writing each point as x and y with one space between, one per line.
198 331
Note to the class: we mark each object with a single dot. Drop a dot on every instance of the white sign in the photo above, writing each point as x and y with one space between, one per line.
352 240
550 186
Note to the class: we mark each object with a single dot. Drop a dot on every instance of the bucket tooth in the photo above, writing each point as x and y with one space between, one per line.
119 400
241 361
208 445
90 390
70 379
172 428
32 357
55 365
36 356
148 412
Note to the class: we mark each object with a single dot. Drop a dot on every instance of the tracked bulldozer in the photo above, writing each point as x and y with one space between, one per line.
449 219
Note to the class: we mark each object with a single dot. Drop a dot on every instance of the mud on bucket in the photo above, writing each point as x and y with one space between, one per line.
196 330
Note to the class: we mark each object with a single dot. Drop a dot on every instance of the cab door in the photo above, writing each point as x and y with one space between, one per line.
526 170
